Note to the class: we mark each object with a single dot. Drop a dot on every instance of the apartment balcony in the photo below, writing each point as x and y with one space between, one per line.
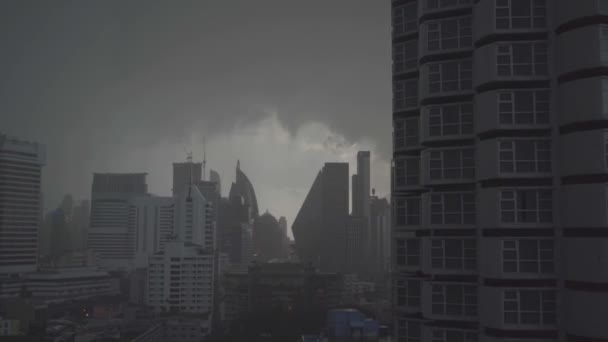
507 64
430 7
516 207
447 122
450 301
527 310
522 258
513 109
446 79
452 165
493 20
449 37
515 158
450 256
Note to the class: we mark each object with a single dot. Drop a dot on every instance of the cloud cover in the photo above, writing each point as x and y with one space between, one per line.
128 85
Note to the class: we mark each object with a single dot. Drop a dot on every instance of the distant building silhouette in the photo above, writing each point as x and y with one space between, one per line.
185 173
268 238
20 195
320 226
110 234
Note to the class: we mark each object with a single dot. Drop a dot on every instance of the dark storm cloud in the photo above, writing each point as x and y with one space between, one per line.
93 79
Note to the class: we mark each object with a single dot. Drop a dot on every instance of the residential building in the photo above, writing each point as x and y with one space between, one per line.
180 279
20 203
499 196
152 220
320 226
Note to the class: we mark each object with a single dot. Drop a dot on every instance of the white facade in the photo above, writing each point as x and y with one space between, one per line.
500 224
153 222
193 218
20 203
180 279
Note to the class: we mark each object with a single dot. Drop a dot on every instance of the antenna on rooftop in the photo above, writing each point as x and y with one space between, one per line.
204 159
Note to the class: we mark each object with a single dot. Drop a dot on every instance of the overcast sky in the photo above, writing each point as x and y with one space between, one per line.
130 86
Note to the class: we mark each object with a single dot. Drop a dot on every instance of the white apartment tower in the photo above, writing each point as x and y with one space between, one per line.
20 204
500 222
180 279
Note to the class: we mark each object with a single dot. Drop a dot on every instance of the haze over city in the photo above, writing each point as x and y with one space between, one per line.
110 86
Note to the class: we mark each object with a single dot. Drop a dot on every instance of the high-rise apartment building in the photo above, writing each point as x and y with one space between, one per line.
500 224
152 222
180 279
20 204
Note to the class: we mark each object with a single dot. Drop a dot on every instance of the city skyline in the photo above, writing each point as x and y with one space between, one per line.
132 88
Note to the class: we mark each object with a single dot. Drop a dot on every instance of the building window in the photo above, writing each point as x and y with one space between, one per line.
454 254
408 331
522 59
406 94
452 164
526 206
454 300
450 76
408 293
453 208
407 211
407 171
521 14
405 19
408 252
525 156
451 120
604 43
534 307
438 4
448 34
405 56
442 335
606 149
527 256
406 133
523 107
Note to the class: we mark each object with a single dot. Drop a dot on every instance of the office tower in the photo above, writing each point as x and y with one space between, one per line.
320 226
20 203
356 245
236 217
379 239
180 280
500 167
152 221
112 231
361 185
186 173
